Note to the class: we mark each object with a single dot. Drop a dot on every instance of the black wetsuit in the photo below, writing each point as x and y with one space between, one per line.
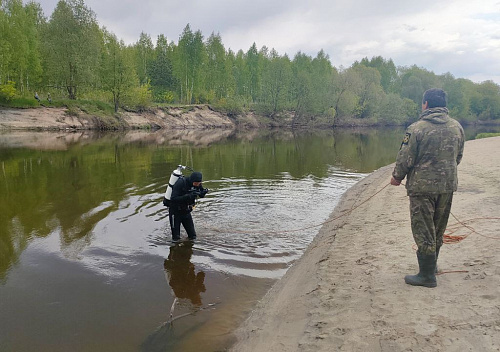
181 205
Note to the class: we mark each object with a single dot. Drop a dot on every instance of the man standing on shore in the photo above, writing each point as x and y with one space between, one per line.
430 152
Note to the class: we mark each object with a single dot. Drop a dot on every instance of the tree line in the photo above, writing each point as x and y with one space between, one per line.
69 55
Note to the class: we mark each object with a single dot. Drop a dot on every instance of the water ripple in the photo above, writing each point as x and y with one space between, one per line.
258 227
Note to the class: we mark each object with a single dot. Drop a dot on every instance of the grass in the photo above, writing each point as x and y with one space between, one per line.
487 135
90 107
20 103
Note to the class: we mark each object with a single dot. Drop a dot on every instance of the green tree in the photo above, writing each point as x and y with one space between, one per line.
190 59
163 80
387 70
301 87
485 102
253 61
144 53
396 110
369 91
35 24
117 71
459 92
72 43
19 42
241 74
415 81
217 72
345 98
322 88
230 84
5 48
276 78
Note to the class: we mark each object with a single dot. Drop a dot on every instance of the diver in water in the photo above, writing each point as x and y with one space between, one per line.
183 198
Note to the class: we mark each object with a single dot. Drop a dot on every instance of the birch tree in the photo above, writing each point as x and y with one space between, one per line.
72 44
216 73
190 59
19 43
117 72
144 54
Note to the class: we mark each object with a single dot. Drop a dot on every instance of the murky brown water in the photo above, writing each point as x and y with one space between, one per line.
85 258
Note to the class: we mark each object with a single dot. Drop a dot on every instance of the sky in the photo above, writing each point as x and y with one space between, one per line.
461 37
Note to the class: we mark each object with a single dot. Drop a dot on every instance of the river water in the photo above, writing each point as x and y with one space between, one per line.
86 262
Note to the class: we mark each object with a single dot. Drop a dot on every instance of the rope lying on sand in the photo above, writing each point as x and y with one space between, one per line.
449 238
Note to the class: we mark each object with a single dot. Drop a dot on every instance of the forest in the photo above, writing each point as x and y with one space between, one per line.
69 57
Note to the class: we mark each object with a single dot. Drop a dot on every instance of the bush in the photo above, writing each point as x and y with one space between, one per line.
97 95
231 106
139 98
164 96
8 91
205 97
395 110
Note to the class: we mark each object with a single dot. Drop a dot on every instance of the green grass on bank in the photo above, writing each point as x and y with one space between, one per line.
487 135
90 107
20 103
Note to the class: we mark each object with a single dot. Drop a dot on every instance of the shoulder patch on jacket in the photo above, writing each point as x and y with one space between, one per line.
406 139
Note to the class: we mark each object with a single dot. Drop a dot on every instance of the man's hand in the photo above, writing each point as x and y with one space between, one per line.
395 182
203 192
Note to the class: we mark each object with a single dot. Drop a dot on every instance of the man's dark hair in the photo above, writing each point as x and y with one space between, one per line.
435 97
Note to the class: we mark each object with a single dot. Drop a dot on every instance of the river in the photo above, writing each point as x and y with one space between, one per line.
86 262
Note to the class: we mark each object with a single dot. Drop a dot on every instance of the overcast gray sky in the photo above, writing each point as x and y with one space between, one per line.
457 36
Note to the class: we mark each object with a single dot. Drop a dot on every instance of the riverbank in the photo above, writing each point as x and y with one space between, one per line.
189 117
52 118
347 292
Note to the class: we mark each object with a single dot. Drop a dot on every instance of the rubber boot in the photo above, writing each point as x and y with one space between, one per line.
426 276
437 255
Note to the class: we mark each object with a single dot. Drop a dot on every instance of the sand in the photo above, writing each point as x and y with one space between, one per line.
347 292
193 117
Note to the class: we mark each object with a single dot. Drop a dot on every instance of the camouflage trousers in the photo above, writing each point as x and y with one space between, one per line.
429 218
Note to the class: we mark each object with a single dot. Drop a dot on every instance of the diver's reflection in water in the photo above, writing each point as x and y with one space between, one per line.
182 278
185 284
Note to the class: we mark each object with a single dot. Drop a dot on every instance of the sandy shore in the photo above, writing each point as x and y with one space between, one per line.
51 118
192 117
347 292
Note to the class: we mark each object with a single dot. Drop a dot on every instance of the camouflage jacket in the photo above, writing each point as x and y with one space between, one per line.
431 150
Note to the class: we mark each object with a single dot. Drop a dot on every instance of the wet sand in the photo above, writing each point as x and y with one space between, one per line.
347 292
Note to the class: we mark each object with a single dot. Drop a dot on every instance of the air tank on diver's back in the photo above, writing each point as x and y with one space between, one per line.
171 182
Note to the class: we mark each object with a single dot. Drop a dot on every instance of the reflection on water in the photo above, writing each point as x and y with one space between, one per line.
182 278
84 247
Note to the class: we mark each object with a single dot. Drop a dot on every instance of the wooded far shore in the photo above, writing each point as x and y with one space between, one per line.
67 59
